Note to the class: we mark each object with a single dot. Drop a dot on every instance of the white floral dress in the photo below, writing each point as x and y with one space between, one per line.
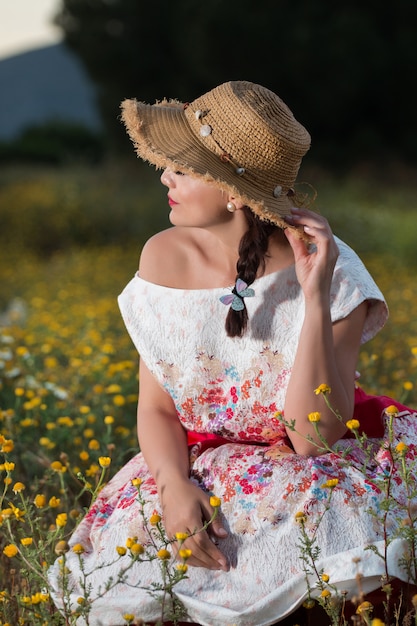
234 388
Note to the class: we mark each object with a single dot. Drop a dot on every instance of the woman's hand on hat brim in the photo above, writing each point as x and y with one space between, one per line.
314 266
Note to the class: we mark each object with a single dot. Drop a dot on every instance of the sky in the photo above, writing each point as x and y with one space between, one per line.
26 24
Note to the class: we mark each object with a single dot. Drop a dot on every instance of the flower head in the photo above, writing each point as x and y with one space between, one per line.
18 487
314 417
61 520
26 541
39 501
78 548
57 466
364 607
401 447
184 553
215 502
353 424
300 517
137 549
182 567
154 519
104 461
10 550
330 484
391 410
163 554
322 389
61 547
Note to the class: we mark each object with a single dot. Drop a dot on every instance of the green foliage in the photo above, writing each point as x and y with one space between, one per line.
44 211
54 142
339 67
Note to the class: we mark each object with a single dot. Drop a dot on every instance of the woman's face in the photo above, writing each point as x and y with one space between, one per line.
194 202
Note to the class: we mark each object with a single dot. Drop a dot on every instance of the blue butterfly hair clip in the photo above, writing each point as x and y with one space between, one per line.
239 291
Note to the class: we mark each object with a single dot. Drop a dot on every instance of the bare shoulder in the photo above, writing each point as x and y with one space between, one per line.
165 256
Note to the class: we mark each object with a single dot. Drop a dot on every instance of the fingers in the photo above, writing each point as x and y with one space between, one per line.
316 227
204 553
311 222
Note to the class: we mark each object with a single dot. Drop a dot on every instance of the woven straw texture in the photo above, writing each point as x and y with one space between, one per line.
239 135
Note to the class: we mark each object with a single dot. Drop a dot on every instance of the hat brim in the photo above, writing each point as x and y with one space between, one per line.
162 136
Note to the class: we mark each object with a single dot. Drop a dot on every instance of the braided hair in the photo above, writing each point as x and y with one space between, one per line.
252 252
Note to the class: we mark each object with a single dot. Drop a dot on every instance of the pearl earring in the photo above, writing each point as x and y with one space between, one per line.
231 207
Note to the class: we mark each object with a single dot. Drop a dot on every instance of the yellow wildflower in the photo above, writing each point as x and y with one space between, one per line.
119 400
54 502
84 456
61 520
7 446
325 578
18 513
109 419
136 482
92 470
314 417
185 553
377 622
391 410
57 466
182 567
309 604
114 388
163 554
330 484
154 519
26 541
408 385
325 593
61 547
137 549
322 389
181 536
104 461
215 502
401 447
9 466
353 424
130 541
11 550
300 517
93 444
128 617
78 548
364 607
121 550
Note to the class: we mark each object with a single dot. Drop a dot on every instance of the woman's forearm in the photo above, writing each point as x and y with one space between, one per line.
163 442
316 362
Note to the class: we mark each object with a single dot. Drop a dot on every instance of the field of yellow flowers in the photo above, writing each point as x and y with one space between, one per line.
68 370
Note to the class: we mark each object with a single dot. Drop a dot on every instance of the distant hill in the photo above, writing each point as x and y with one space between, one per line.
43 85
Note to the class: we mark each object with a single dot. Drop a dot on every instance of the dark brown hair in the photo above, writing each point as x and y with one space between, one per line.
252 252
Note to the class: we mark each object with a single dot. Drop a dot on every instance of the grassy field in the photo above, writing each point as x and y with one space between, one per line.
69 242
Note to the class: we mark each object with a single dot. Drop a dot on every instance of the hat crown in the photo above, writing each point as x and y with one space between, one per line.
254 127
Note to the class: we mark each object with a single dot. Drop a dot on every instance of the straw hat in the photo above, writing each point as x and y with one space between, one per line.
239 135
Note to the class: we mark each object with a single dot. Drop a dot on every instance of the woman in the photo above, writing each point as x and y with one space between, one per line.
246 314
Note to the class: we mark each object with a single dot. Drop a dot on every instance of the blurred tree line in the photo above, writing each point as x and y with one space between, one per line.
347 70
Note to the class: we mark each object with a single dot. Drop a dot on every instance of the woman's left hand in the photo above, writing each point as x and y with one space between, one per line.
314 269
